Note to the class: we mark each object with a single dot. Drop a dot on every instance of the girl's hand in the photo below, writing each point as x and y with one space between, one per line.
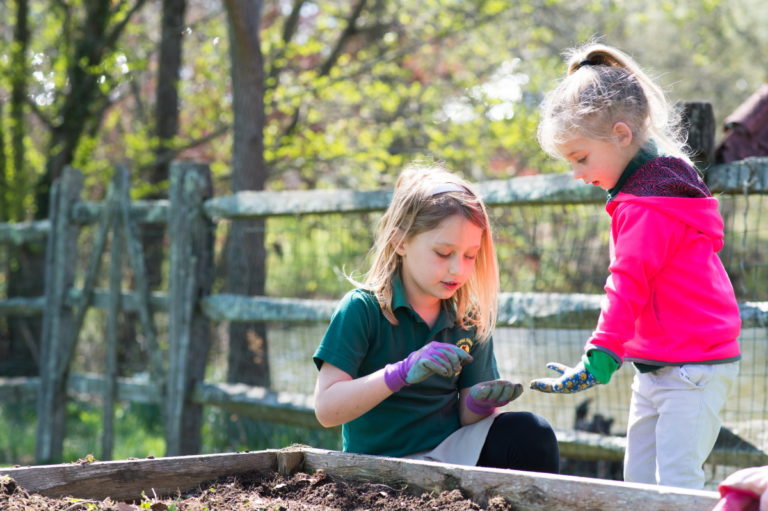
434 358
573 379
485 397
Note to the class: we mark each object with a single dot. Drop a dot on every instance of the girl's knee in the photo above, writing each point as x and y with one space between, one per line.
534 443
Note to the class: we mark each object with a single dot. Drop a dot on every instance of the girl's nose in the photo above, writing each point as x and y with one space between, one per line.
455 266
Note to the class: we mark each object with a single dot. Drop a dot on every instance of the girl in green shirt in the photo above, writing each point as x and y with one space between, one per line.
407 365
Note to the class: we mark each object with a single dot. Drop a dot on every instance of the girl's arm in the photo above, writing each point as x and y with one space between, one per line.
339 398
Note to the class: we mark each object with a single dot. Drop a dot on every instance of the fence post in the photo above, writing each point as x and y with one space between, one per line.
699 120
190 277
60 263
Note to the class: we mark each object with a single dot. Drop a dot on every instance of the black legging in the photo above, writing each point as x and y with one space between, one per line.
521 441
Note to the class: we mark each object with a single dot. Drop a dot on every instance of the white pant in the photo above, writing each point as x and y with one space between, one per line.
674 422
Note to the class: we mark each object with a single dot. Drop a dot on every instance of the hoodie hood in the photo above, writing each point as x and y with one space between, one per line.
700 213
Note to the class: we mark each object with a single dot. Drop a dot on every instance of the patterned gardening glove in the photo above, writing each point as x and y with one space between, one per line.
434 358
485 397
573 379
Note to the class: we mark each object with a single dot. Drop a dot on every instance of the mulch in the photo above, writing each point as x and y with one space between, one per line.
260 491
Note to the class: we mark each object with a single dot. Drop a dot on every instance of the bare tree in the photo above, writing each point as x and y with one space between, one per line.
245 252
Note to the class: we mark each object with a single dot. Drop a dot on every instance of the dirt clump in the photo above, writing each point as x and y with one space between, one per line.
258 491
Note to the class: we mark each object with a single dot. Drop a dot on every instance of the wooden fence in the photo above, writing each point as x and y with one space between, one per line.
177 374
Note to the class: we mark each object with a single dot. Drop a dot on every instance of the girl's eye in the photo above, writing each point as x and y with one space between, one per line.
582 160
470 257
442 255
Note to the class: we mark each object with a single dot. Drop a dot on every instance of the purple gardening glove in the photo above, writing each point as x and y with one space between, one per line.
485 397
434 358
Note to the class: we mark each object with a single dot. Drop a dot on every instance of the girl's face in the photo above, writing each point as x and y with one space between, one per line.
437 263
600 162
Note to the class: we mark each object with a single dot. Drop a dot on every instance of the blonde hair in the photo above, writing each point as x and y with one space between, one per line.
605 86
424 196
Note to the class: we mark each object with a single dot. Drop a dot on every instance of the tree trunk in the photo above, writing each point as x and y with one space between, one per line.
166 128
245 252
25 263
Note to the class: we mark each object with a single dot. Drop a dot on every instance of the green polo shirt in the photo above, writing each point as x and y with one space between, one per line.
360 341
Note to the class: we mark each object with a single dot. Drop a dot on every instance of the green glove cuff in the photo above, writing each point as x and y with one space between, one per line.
600 364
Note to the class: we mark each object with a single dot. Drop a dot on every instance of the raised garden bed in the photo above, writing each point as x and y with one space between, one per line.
303 478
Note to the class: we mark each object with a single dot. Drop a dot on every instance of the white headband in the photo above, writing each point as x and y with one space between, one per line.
447 187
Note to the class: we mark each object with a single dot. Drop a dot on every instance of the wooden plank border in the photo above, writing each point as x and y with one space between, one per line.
127 479
529 491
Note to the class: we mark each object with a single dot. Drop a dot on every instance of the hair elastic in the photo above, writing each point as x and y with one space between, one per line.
447 187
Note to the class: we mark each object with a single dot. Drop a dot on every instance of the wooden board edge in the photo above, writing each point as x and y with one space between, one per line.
524 490
127 479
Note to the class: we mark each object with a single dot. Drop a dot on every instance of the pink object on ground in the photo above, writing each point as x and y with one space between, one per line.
744 490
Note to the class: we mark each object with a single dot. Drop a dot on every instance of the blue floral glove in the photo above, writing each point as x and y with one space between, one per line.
434 358
573 379
485 397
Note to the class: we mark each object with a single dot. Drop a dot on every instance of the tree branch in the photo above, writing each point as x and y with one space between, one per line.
349 31
173 152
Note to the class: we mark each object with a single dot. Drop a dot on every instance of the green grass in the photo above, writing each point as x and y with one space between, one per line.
139 433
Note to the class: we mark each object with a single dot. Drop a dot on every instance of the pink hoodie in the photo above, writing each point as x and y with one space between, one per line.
668 297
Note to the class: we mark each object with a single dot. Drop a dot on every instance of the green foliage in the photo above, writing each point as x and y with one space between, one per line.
139 433
223 432
453 80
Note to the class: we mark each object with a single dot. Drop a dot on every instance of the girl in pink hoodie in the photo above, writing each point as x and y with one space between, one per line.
669 306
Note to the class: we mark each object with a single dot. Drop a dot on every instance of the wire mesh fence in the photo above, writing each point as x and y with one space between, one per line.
541 248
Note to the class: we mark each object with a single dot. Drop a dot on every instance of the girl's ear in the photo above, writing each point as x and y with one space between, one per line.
398 240
622 134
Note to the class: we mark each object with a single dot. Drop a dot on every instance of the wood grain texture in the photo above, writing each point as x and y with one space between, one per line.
127 479
526 491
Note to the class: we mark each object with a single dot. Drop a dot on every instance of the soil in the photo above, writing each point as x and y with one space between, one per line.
264 492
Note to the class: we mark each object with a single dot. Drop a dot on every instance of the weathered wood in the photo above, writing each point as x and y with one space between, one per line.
20 233
128 300
753 314
22 306
582 445
143 212
515 309
586 446
536 309
699 121
297 410
142 293
60 262
548 309
117 247
94 265
748 176
135 390
127 479
544 189
259 402
528 491
19 389
230 307
518 191
191 274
